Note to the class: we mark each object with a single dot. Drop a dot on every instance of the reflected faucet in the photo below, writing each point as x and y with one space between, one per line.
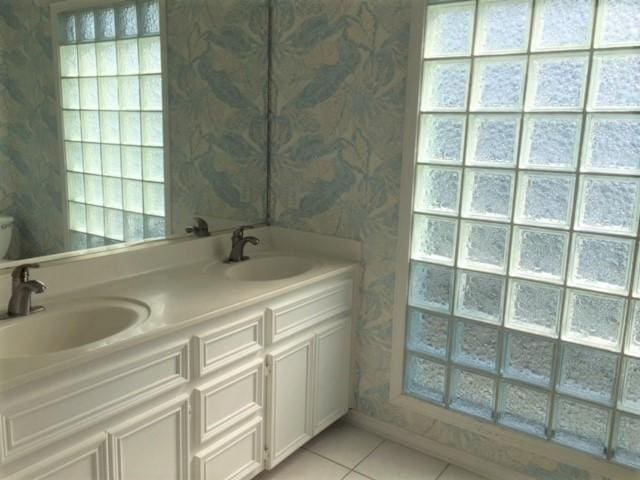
21 290
238 242
201 229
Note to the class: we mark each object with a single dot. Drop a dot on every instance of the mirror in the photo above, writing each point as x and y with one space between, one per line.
122 120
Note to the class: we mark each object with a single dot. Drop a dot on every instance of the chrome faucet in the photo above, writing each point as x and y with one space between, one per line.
21 290
201 229
238 242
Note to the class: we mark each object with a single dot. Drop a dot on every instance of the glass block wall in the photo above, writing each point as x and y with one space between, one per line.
524 297
112 102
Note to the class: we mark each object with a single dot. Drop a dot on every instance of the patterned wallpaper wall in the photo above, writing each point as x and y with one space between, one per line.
339 77
217 58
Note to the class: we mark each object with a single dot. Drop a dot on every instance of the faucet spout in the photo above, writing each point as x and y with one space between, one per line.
238 242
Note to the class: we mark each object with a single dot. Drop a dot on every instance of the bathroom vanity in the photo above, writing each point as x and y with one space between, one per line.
218 371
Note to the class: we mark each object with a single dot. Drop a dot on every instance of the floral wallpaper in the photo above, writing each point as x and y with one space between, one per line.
217 73
339 79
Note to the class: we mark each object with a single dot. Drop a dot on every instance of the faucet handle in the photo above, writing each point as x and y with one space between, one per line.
201 229
22 272
239 232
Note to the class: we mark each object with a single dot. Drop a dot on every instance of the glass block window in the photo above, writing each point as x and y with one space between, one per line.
112 116
524 278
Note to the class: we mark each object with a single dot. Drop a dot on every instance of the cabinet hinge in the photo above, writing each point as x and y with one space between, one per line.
266 454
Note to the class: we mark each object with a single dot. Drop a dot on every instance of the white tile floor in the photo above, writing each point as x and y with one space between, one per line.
344 452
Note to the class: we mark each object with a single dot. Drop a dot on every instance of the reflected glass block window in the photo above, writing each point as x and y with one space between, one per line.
111 83
524 279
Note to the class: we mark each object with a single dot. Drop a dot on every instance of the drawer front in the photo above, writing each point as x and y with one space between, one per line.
64 413
229 400
237 456
290 318
222 346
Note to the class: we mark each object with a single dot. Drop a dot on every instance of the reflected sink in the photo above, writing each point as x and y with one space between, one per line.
261 269
68 325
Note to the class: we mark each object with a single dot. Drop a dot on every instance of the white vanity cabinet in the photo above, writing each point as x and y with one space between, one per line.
221 399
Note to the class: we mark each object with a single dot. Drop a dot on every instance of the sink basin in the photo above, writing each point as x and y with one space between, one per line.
67 325
261 269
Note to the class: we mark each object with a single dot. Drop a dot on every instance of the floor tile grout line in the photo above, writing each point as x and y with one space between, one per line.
443 471
382 441
328 459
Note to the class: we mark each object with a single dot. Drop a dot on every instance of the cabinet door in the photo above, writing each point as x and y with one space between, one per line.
152 445
332 367
290 391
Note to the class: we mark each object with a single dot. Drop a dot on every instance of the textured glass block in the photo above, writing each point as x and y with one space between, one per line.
594 319
96 241
133 227
609 204
437 189
615 81
424 378
588 373
67 28
149 13
93 190
71 122
130 128
131 162
472 393
528 358
70 93
105 24
132 193
427 333
539 254
545 199
108 93
557 82
618 23
77 217
445 85
441 138
626 440
475 345
75 187
154 227
480 296
488 194
151 92
90 125
431 287
153 164
524 409
153 198
109 127
493 140
503 26
152 129
106 58
112 192
150 57
111 160
630 398
633 343
581 425
114 224
562 24
483 246
498 84
89 93
433 239
86 26
127 21
73 156
129 93
78 240
68 61
612 144
87 63
551 142
601 263
92 158
95 220
534 307
127 57
449 30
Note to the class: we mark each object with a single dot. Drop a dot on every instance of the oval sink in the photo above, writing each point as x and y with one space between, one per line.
263 269
68 325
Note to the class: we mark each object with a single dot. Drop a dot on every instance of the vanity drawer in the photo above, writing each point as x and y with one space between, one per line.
311 308
222 346
228 400
237 456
